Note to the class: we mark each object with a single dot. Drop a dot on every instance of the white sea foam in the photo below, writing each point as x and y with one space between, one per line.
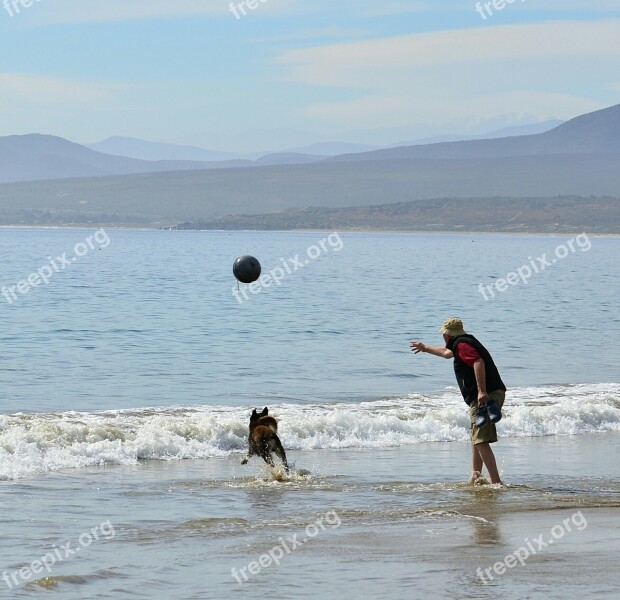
37 443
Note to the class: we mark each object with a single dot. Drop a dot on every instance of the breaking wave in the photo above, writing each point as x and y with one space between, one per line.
32 444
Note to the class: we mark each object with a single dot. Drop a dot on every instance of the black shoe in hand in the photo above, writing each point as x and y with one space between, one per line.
495 413
482 416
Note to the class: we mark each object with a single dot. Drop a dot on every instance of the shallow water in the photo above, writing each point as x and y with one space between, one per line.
130 377
395 519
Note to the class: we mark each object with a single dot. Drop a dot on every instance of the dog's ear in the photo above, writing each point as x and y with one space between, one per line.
253 414
265 412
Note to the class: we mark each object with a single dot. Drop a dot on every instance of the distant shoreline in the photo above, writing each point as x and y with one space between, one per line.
557 215
511 215
91 226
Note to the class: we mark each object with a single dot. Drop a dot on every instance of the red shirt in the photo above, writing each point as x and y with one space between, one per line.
467 353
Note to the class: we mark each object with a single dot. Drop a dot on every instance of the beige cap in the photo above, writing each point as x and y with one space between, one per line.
452 327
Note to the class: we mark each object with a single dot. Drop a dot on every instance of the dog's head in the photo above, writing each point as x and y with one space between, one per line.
256 416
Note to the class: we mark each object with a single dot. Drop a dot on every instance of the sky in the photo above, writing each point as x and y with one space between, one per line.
292 72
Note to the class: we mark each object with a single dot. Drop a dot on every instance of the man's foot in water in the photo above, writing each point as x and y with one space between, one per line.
475 476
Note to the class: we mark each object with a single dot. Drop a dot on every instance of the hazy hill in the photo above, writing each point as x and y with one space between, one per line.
41 157
145 150
593 133
44 157
585 163
332 148
513 131
171 198
154 151
288 158
36 157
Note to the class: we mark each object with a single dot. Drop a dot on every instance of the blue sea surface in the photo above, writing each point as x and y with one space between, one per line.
151 319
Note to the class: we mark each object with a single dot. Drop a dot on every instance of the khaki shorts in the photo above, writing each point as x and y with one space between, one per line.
487 433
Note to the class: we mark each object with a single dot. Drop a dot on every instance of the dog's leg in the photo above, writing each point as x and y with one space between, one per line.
268 459
266 454
248 455
279 450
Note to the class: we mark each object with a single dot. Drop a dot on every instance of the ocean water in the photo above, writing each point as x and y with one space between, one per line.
128 380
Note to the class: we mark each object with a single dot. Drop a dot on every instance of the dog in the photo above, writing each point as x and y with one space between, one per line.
264 440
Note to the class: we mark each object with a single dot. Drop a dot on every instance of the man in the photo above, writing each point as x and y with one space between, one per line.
481 387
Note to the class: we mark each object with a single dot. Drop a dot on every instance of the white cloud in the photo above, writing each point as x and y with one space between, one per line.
23 89
355 64
548 70
46 104
553 70
394 111
331 32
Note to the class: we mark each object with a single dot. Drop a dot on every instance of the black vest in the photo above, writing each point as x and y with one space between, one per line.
465 376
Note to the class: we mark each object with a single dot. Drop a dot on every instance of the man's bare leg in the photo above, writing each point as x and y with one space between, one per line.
476 465
488 458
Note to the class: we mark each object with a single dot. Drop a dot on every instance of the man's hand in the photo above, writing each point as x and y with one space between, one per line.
417 347
483 398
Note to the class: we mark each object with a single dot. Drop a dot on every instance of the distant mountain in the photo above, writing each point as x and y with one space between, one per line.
593 133
287 158
580 157
516 130
333 148
154 151
35 157
160 199
252 143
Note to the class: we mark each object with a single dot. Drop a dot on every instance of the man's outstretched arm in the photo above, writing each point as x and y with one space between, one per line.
441 351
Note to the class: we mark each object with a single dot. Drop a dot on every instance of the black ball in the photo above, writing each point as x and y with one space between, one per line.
247 269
